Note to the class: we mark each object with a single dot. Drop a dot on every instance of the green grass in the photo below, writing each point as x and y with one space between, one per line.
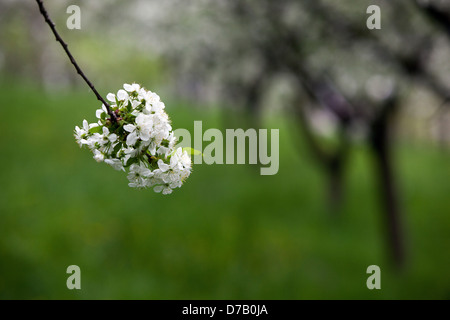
228 233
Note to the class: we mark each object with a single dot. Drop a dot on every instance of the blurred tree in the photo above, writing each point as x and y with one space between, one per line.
340 80
334 65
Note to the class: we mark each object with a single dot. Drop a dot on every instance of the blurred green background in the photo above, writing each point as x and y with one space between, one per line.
228 233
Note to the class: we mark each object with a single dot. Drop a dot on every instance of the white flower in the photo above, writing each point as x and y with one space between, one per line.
122 95
142 94
135 104
98 140
126 153
141 130
99 112
165 189
161 129
82 133
111 97
115 163
142 143
185 160
98 155
158 107
152 147
131 87
108 137
138 175
163 166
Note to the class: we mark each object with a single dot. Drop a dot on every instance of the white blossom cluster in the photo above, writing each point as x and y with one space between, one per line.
141 141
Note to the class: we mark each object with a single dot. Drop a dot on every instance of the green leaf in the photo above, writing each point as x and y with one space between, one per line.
117 148
192 151
97 129
131 161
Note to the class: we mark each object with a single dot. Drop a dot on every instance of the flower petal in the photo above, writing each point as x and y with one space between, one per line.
129 127
98 113
132 138
144 135
128 87
111 97
112 137
163 166
122 95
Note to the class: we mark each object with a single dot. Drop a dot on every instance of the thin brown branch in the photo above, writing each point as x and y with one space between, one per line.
72 59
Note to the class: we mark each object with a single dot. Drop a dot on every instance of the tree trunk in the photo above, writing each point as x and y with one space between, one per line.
335 176
331 163
391 206
387 184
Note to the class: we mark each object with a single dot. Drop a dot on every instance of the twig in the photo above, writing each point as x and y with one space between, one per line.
72 59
